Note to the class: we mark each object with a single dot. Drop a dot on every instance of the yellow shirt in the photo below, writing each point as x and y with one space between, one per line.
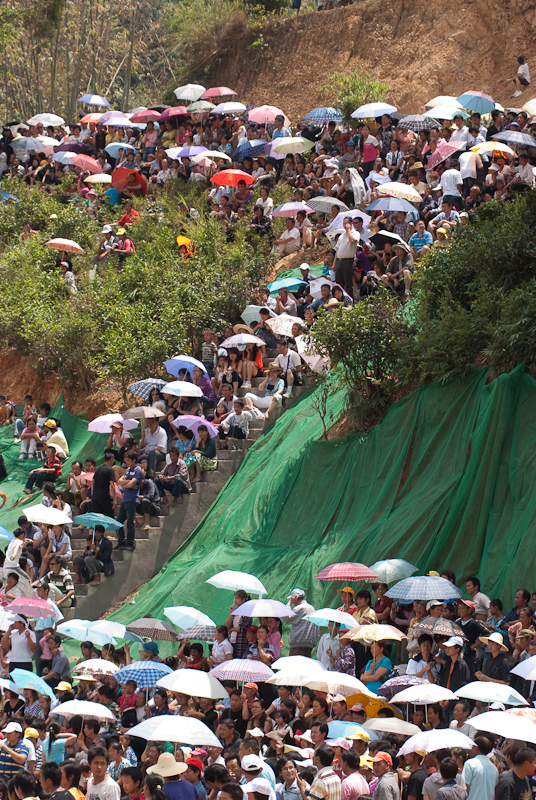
367 615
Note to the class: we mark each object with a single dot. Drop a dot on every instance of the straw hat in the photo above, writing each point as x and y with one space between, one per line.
241 328
167 767
275 365
494 637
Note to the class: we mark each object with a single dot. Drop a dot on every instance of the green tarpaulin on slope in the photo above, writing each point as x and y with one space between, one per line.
446 481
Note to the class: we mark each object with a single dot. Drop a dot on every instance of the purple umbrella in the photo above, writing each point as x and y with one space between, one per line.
192 423
395 685
74 147
106 116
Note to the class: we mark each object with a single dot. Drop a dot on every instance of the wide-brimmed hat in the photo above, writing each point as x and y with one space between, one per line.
275 365
332 303
494 637
241 328
167 767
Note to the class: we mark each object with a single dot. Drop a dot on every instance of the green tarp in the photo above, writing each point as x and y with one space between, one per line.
446 481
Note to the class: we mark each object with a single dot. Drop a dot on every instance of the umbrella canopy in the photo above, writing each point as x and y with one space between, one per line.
24 679
93 518
393 569
346 571
345 730
182 389
110 628
214 154
491 692
193 423
321 116
65 244
297 663
175 364
264 608
417 123
200 105
526 669
73 147
392 725
265 114
193 682
292 209
86 163
103 119
201 633
95 667
424 693
233 580
477 101
282 324
86 709
5 535
313 360
80 629
32 607
101 177
437 626
376 633
174 111
292 144
401 190
391 204
424 587
315 287
145 673
373 110
241 340
218 91
526 713
187 152
251 314
182 730
27 143
231 177
494 148
443 100
323 616
7 197
444 151
103 424
190 91
120 121
46 119
513 137
94 100
143 388
286 283
337 683
428 741
229 108
49 516
186 616
398 684
377 177
445 112
143 412
324 204
120 180
241 669
147 115
251 148
382 238
503 723
93 116
114 148
152 628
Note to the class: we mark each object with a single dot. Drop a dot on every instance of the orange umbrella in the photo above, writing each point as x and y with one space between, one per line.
64 244
230 177
121 180
91 118
494 148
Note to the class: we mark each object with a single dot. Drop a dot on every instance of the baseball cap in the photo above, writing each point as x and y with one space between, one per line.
121 231
366 761
454 641
251 763
358 708
381 755
250 685
195 762
359 736
260 785
433 603
339 742
107 229
31 733
306 736
338 698
296 593
253 628
64 686
50 423
467 603
13 727
433 572
346 589
255 732
151 647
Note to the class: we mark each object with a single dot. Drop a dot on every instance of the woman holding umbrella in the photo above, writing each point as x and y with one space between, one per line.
237 625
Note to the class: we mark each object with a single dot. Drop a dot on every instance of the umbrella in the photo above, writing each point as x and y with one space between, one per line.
32 607
100 178
315 287
443 100
84 708
103 424
291 209
526 669
28 143
152 628
231 177
401 190
143 412
145 116
437 626
337 683
47 119
282 324
114 147
251 314
477 101
444 151
145 673
376 633
229 108
325 204
24 679
382 238
200 105
297 663
313 360
63 157
233 580
92 518
505 724
202 633
251 147
182 389
120 179
392 725
373 110
266 114
378 178
323 616
514 137
193 423
423 587
526 713
191 91
241 340
417 123
94 100
80 629
344 730
390 204
73 147
428 741
215 154
424 693
95 667
494 148
183 730
346 571
6 619
188 152
107 627
242 669
291 144
118 121
175 364
398 684
6 198
218 91
93 116
48 516
174 111
529 107
86 163
65 244
286 283
264 608
5 535
103 119
321 116
491 692
143 388
445 112
195 683
186 616
393 569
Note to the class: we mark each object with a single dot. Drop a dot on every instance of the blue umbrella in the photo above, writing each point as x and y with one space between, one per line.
250 148
24 679
114 148
390 204
175 364
80 629
142 389
145 673
6 197
477 102
91 519
423 587
341 729
319 116
286 283
6 535
94 100
62 158
514 137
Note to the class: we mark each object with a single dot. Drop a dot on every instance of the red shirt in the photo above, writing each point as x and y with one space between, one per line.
128 219
54 465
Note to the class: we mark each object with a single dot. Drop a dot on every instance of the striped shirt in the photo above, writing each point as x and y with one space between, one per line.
8 766
326 785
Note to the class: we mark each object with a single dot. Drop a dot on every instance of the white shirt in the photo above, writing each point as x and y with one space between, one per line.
523 71
324 644
289 361
468 165
482 603
345 248
20 650
292 234
469 730
107 789
460 135
449 183
267 206
221 649
156 439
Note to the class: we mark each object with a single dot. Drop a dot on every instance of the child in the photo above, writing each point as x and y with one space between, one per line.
130 755
132 781
28 412
50 471
236 426
127 698
208 351
100 785
451 790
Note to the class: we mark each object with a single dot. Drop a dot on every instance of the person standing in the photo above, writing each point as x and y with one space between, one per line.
130 481
480 775
22 644
345 250
387 786
515 784
303 635
326 785
103 486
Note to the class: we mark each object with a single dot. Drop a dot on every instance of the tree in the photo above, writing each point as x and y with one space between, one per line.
350 90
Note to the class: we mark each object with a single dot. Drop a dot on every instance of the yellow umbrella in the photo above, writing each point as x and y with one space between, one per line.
100 177
497 148
372 705
375 633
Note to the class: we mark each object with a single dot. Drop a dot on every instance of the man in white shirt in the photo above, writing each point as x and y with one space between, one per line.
329 641
461 134
452 185
481 600
290 363
345 250
469 164
289 242
524 172
460 712
522 78
154 443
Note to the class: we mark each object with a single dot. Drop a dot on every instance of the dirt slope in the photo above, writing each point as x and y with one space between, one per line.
421 49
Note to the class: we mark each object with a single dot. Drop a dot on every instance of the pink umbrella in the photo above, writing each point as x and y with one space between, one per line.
264 114
174 111
217 91
444 150
145 116
85 162
109 114
242 669
346 571
32 607
292 209
64 244
193 423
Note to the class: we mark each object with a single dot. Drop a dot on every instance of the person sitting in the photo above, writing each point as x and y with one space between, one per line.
261 224
174 478
97 558
273 387
30 435
50 471
124 246
289 242
205 454
236 426
149 501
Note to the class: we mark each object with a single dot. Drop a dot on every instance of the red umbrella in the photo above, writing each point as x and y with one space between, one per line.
217 91
444 150
121 179
347 571
230 177
87 163
93 117
32 607
64 244
145 116
175 111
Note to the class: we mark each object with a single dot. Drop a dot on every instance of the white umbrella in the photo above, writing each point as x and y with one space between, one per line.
228 108
251 313
48 144
316 362
391 725
27 143
95 666
264 608
282 324
445 112
234 580
325 615
46 119
101 177
84 708
295 677
491 692
337 683
443 739
182 389
298 663
184 730
80 629
443 100
241 340
215 154
423 694
103 424
324 204
393 569
526 669
510 726
400 190
193 682
107 627
373 110
337 223
190 91
315 287
186 616
49 516
292 144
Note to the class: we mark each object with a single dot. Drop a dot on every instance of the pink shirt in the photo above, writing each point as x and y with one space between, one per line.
353 786
274 639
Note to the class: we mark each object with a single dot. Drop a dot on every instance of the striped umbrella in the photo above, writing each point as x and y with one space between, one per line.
143 389
202 633
514 137
346 571
417 123
145 673
241 669
152 628
423 587
320 116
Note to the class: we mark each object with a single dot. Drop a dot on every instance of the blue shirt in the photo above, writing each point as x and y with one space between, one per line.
417 241
382 663
131 495
180 790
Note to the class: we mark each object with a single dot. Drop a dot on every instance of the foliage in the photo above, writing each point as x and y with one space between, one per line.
350 90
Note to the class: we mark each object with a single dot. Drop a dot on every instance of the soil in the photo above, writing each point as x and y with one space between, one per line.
421 52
